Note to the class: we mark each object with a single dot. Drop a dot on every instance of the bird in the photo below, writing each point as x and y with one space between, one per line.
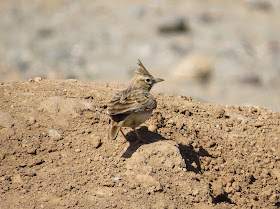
134 105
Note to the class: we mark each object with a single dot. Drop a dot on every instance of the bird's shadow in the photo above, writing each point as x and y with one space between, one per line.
188 153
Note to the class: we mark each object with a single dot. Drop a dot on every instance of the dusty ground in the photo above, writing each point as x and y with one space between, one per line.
54 152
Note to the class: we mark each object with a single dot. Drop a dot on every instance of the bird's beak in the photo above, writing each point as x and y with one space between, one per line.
157 80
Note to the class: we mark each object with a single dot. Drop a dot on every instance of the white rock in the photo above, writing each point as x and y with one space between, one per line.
54 134
6 121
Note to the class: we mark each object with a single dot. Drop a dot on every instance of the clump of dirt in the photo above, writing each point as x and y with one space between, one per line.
54 152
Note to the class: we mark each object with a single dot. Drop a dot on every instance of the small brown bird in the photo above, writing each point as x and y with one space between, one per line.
134 105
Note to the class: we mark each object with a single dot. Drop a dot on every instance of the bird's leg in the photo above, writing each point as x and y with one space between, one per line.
138 136
123 136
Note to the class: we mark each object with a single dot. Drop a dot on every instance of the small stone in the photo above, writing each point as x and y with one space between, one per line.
77 150
195 191
37 79
218 127
31 150
273 198
31 121
6 121
88 160
171 122
172 24
220 113
276 173
211 144
17 179
236 186
96 141
251 79
217 188
229 179
260 4
117 178
266 192
54 134
258 124
152 128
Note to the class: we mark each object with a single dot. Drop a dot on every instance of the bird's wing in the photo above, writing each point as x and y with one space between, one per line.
128 101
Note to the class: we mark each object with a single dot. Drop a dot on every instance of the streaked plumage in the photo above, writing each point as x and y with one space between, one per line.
134 105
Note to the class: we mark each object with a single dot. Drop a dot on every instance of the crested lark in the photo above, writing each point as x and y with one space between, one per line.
134 105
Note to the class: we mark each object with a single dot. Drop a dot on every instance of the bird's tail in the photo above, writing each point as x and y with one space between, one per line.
115 128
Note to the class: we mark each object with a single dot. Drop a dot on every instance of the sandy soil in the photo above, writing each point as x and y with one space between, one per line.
54 152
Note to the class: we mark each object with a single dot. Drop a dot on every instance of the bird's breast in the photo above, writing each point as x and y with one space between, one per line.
137 118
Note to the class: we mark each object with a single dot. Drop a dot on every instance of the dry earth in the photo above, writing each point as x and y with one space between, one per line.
54 152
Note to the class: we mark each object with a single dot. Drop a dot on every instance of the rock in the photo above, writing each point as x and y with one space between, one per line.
148 181
54 134
152 128
6 121
260 4
218 127
258 124
37 79
31 150
195 67
276 173
161 154
217 188
17 179
208 16
219 113
236 186
31 121
95 141
251 79
172 24
117 178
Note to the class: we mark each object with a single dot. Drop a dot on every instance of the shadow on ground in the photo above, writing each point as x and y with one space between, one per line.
188 153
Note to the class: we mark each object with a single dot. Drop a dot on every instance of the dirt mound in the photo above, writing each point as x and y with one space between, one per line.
54 152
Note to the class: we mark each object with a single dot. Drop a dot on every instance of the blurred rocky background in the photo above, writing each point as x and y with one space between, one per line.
217 51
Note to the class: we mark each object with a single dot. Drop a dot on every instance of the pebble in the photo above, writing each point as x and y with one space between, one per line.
235 186
220 113
152 128
276 173
88 160
37 79
260 4
6 120
173 24
54 134
258 124
96 141
31 150
210 144
217 188
251 79
31 121
117 178
77 150
218 127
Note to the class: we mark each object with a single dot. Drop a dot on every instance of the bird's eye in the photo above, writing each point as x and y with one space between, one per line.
148 80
